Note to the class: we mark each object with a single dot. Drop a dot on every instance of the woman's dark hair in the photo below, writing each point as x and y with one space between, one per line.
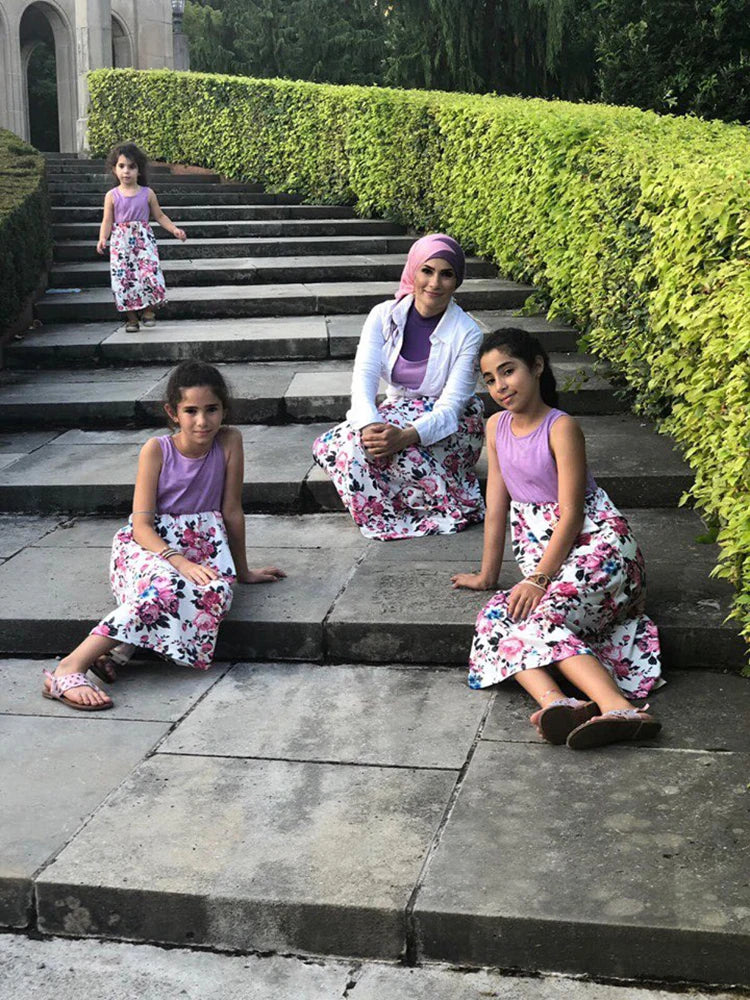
131 152
188 375
520 344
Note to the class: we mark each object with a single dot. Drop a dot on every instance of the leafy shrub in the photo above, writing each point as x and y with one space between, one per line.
635 226
25 227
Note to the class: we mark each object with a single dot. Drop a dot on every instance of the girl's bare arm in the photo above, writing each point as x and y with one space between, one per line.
108 218
495 520
159 216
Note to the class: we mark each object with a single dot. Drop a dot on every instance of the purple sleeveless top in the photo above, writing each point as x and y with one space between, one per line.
189 485
133 209
527 464
411 364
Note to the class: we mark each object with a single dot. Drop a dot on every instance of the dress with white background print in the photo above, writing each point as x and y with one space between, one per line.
594 604
422 490
135 271
159 608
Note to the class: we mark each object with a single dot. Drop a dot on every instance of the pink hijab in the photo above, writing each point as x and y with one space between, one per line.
435 245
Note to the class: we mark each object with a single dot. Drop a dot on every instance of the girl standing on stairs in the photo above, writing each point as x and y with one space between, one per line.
137 281
406 468
579 608
174 562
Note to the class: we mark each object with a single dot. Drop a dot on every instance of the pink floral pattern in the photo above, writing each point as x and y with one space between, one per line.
137 281
594 606
422 490
160 609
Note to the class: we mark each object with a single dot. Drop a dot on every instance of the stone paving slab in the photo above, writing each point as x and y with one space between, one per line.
54 773
249 246
18 532
619 862
388 716
251 855
145 691
284 620
94 471
285 299
681 705
60 969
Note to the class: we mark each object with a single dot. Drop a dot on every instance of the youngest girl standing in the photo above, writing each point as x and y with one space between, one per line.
137 281
580 606
174 562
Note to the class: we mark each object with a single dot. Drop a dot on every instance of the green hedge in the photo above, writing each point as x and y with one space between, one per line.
635 226
25 226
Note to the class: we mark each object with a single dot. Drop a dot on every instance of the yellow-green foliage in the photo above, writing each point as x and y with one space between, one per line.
637 227
25 236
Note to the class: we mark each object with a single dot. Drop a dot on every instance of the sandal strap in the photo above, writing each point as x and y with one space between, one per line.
568 702
625 713
59 685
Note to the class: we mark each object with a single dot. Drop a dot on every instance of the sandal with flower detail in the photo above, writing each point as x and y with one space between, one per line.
561 717
148 319
618 726
105 666
59 685
132 326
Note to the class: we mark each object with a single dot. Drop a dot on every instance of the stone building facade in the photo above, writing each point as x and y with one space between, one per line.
85 35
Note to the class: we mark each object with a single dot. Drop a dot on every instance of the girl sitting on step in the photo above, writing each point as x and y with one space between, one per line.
137 281
406 468
174 562
579 608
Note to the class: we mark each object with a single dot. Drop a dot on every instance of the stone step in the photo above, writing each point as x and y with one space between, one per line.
349 600
64 163
166 185
277 300
290 338
67 216
93 471
60 178
281 246
183 198
371 811
259 270
260 227
281 392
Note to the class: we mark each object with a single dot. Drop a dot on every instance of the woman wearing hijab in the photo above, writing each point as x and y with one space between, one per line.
406 468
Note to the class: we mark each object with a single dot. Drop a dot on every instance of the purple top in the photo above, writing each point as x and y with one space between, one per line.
189 485
133 209
411 364
527 463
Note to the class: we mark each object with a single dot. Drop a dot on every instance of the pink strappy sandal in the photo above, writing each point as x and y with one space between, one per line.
59 685
618 726
561 717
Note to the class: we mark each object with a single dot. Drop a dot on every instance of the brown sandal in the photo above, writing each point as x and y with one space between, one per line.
618 726
562 717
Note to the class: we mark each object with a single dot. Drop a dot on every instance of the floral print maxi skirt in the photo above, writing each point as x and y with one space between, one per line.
594 605
137 281
422 490
160 609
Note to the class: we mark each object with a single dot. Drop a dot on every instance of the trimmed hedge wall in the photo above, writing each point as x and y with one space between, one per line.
635 226
25 225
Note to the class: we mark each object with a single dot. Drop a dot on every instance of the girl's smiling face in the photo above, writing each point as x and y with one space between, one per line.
509 381
126 171
199 415
434 284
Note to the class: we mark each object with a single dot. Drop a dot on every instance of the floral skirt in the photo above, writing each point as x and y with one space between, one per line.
160 609
594 605
422 490
137 281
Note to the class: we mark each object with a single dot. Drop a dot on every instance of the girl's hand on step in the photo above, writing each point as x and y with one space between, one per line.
523 599
472 581
267 574
202 575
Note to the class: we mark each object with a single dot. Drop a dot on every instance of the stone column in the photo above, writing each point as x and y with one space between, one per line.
93 51
13 111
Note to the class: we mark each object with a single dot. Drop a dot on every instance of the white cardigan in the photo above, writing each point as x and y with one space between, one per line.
450 378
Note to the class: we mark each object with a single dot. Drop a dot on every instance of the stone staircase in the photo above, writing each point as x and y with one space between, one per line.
384 749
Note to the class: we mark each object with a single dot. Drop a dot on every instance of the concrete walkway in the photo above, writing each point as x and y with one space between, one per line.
71 970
